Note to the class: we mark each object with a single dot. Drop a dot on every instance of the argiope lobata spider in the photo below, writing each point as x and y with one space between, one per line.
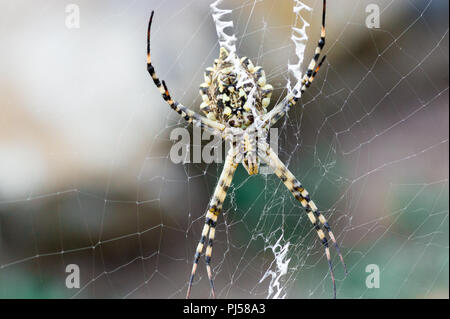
235 100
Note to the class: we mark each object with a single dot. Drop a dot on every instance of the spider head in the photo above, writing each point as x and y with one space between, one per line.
234 91
245 142
250 159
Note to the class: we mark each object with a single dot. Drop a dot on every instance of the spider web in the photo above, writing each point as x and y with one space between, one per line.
86 176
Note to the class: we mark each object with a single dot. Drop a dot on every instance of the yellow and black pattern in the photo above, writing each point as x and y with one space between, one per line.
189 115
209 229
228 85
314 215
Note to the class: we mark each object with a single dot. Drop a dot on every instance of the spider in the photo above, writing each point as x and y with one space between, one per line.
235 100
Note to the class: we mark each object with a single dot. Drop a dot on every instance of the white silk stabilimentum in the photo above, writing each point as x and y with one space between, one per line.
300 38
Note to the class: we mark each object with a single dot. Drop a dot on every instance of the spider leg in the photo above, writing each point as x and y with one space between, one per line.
283 107
314 215
186 113
209 229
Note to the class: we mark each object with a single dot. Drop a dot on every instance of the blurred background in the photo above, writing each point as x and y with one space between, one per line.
86 178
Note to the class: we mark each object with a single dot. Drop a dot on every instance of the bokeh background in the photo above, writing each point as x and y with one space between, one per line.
86 178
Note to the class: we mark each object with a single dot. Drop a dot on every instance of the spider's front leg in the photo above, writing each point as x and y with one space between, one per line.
302 195
184 112
214 210
283 107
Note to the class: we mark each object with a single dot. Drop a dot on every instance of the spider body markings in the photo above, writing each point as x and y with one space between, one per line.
235 92
235 99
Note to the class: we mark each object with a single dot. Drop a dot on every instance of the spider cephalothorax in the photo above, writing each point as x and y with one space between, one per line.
235 100
234 91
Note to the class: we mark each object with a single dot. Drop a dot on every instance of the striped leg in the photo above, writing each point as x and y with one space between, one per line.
209 229
314 215
282 108
186 113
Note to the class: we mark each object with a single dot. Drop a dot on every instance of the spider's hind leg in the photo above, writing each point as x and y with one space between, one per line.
209 229
315 216
314 213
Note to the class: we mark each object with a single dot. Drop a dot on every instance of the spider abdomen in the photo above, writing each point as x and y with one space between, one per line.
234 91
